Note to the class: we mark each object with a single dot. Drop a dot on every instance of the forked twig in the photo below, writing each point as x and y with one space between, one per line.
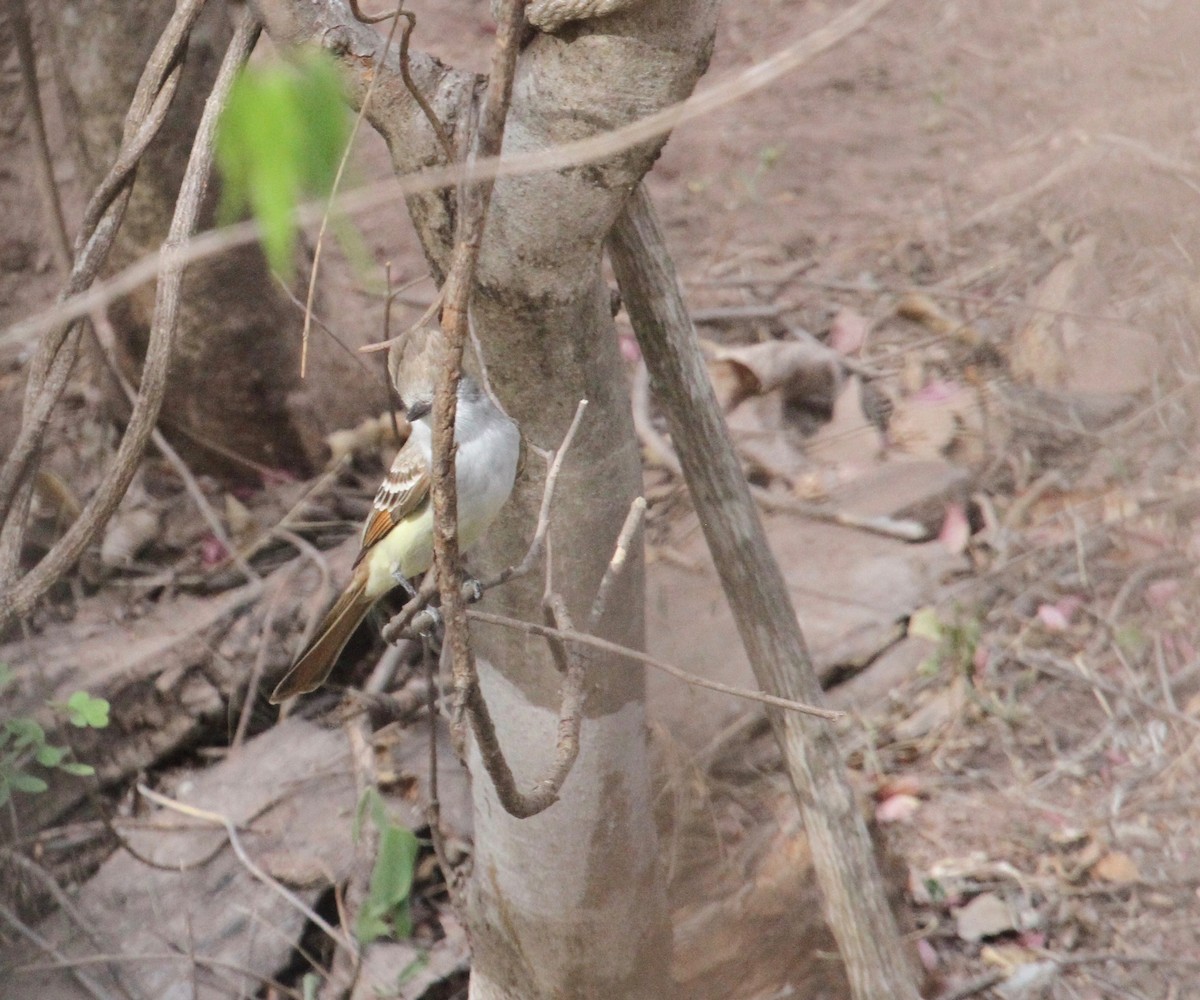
554 464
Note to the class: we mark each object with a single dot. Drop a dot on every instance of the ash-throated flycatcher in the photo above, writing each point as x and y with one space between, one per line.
397 540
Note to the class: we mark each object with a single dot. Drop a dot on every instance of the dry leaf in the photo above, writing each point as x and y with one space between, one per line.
126 535
985 916
1116 867
805 371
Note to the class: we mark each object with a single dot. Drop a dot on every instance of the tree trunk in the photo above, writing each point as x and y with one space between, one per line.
571 902
234 400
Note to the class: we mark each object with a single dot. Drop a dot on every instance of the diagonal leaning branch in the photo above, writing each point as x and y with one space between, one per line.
859 915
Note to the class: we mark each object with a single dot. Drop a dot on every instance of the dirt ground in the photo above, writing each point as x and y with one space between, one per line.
991 214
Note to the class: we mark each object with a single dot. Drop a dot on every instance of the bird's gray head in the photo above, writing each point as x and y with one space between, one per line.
414 363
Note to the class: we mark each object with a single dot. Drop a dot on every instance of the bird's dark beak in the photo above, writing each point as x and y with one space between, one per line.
418 410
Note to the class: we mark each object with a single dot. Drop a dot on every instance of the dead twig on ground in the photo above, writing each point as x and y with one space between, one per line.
236 843
27 932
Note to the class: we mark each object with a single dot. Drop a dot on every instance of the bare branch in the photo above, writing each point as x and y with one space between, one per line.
533 553
616 565
21 597
843 856
472 214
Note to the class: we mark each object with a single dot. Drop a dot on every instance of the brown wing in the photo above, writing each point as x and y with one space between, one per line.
403 490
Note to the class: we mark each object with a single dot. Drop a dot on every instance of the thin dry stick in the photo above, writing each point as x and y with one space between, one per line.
265 642
337 182
572 154
27 932
616 565
44 173
19 600
843 856
167 956
236 843
472 212
583 639
554 467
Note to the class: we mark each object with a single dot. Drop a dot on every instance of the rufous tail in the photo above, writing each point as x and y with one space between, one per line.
314 664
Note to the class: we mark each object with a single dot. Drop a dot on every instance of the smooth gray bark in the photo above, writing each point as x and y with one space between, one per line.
571 902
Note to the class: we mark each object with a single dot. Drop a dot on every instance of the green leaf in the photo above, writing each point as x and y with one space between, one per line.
50 756
79 770
309 985
5 790
7 675
27 783
83 710
924 624
385 910
27 732
280 139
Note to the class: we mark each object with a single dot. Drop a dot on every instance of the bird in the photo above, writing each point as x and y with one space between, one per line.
397 538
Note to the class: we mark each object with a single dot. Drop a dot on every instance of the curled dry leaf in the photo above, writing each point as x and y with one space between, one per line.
807 373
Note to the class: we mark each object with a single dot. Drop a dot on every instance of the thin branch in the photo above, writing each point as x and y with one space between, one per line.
616 565
474 200
236 843
44 174
333 190
554 467
583 639
19 600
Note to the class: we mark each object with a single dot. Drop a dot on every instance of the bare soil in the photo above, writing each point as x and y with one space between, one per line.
1025 684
